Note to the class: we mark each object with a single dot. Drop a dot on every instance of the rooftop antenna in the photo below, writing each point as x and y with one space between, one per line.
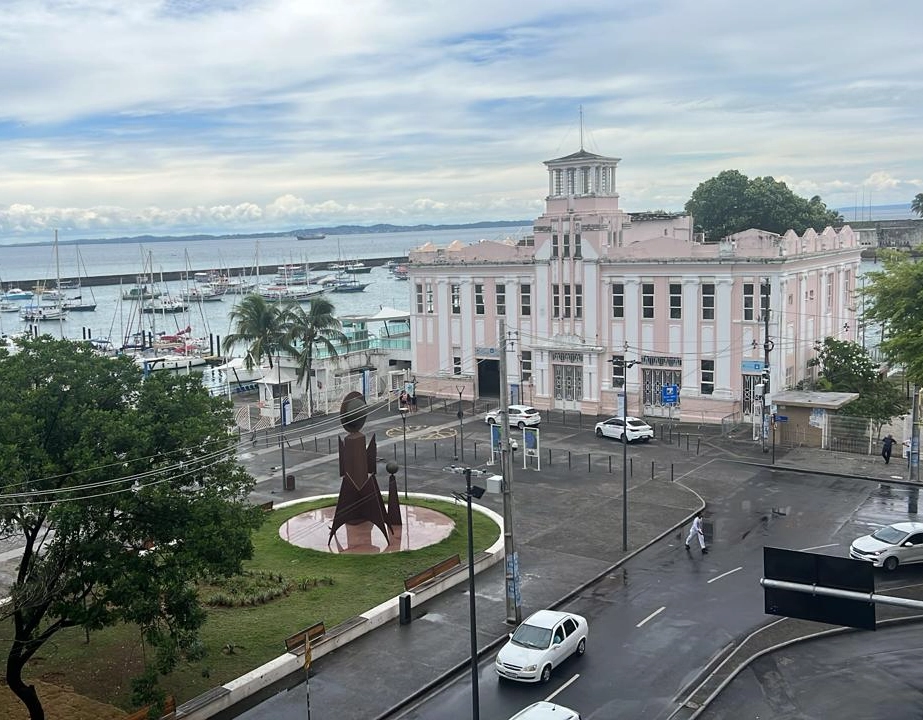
581 127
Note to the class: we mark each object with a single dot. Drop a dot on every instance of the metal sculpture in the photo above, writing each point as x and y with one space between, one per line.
360 497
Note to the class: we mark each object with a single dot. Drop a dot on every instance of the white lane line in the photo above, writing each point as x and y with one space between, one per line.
818 547
568 683
724 574
651 616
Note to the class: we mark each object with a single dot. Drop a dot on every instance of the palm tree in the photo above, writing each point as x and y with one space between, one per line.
917 204
261 324
307 329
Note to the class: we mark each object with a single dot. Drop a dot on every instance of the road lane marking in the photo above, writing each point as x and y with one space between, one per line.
565 685
725 574
651 616
818 547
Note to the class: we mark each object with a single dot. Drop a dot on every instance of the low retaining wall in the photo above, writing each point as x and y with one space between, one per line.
218 700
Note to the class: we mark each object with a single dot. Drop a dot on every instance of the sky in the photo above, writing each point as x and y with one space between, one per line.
182 116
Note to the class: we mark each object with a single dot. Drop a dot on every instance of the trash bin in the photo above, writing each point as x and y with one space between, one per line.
404 608
289 482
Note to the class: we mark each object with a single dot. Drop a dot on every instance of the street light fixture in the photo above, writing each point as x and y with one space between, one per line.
625 364
404 410
472 491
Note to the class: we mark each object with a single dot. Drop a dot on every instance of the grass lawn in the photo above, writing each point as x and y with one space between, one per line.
242 638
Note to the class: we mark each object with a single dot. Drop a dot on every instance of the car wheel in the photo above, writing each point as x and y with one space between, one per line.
891 564
581 647
546 674
647 439
520 425
599 432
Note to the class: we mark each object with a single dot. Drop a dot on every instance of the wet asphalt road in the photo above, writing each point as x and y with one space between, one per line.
638 663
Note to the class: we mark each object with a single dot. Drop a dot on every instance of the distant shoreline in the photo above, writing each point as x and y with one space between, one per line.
338 230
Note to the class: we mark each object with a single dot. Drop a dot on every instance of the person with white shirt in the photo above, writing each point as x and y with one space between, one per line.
698 532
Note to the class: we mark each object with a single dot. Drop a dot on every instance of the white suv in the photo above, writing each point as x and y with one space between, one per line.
520 416
637 429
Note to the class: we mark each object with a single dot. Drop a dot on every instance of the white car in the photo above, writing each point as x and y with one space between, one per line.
890 546
545 640
546 711
637 429
520 416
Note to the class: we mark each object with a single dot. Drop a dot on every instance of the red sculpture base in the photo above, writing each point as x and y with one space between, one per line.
421 527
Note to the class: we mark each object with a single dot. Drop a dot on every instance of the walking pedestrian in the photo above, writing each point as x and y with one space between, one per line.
697 532
886 444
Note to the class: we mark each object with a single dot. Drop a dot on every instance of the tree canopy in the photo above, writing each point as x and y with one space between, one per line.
846 367
731 202
122 493
894 299
917 205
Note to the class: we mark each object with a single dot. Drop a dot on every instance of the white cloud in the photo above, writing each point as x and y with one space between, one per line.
270 114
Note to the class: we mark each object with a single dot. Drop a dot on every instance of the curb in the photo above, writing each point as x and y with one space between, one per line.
448 675
773 648
827 473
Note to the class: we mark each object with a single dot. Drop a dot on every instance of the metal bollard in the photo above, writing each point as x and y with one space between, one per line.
328 446
698 444
549 456
435 455
671 472
589 463
687 442
631 467
568 459
414 451
652 469
610 463
315 443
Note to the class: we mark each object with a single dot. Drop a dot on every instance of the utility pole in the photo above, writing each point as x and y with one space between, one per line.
915 435
767 347
513 598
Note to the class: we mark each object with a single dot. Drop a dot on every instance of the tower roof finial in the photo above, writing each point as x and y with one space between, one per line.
581 127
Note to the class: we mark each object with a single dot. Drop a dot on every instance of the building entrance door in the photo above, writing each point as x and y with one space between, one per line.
750 404
568 386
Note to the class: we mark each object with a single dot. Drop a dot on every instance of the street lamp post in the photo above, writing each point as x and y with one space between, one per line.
461 426
404 410
472 491
625 366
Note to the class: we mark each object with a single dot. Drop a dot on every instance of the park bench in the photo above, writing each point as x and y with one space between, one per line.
294 643
431 574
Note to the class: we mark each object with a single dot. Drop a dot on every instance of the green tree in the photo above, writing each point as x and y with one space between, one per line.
731 202
894 300
308 330
846 367
917 204
121 493
260 324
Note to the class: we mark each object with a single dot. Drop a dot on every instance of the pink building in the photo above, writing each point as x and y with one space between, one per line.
596 289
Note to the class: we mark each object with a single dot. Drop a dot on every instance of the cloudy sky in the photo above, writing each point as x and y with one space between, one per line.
176 116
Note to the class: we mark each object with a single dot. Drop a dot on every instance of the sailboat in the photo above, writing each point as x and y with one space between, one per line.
37 312
78 303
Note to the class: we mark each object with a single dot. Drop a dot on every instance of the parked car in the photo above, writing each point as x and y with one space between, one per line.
890 546
520 416
540 644
546 711
637 429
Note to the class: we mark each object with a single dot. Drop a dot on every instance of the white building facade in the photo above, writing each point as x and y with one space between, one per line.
599 302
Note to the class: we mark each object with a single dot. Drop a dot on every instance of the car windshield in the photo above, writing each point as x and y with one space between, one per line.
637 423
889 535
531 636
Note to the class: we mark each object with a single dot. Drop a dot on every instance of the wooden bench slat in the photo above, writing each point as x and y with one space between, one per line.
432 572
296 641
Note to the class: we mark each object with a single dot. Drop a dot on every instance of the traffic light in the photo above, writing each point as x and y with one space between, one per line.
764 379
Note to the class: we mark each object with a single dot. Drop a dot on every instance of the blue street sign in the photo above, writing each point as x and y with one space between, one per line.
669 394
781 418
